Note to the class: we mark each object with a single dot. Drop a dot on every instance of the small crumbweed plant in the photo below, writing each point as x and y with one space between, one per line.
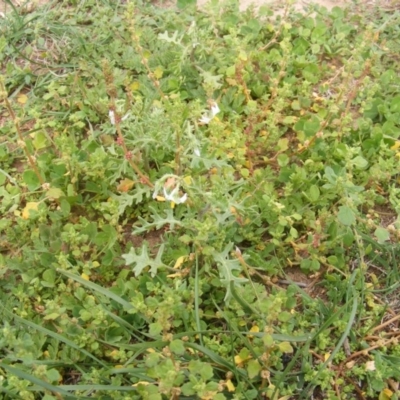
199 203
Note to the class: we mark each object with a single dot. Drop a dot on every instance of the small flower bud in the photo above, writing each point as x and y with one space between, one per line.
391 228
167 352
265 374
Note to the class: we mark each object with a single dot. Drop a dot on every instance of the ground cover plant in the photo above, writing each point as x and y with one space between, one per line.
199 204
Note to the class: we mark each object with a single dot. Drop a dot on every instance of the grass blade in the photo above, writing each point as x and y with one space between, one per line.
39 382
59 337
346 332
128 306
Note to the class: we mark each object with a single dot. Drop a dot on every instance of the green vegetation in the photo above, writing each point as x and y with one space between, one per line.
199 204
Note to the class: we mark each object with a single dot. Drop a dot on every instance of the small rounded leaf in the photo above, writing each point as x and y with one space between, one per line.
285 347
346 215
253 368
177 347
382 235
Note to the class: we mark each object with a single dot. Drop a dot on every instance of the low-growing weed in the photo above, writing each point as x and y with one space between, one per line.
199 203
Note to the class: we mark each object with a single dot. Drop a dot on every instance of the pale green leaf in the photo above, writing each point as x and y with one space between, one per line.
360 162
155 328
226 268
253 368
177 347
382 234
285 347
313 193
346 215
55 193
143 260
